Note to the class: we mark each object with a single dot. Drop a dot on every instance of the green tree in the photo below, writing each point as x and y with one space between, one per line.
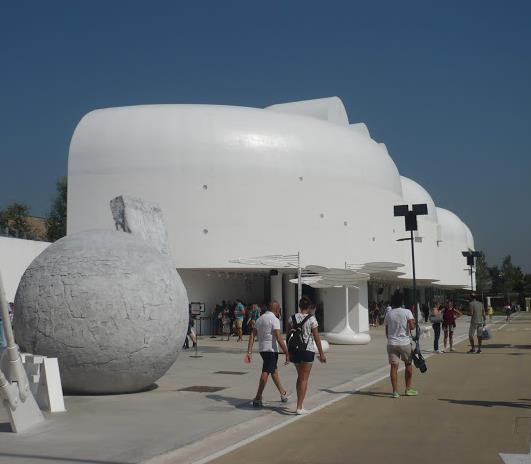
511 279
527 285
13 221
483 275
56 220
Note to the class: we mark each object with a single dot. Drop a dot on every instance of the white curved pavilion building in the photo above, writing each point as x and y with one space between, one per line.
236 183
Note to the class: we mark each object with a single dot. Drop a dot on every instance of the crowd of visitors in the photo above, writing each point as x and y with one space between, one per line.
377 312
303 343
235 318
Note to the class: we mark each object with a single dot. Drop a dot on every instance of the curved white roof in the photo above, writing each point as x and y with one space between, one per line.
415 193
330 109
469 237
452 228
454 241
236 181
360 127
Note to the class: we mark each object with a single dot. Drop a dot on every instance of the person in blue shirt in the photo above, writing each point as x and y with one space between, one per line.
239 314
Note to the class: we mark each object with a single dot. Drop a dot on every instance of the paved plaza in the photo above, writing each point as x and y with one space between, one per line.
469 409
169 425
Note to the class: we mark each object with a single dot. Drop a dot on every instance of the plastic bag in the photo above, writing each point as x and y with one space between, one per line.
485 334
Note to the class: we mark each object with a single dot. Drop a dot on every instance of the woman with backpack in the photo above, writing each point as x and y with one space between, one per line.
303 342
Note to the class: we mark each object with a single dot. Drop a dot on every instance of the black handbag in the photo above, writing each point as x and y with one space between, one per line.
418 359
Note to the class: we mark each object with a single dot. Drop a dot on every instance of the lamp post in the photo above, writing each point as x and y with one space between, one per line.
470 261
410 217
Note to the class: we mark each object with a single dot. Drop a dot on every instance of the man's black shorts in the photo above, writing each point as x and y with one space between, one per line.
270 361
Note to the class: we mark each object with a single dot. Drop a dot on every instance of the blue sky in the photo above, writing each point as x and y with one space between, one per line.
445 85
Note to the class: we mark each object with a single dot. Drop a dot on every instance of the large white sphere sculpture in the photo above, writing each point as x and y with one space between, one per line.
108 305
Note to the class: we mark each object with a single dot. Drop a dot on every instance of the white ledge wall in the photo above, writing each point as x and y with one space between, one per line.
15 257
251 162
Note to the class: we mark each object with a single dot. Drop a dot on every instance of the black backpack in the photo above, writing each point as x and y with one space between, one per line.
295 338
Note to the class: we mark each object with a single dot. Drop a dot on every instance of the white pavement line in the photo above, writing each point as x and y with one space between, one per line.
516 458
255 437
323 405
183 454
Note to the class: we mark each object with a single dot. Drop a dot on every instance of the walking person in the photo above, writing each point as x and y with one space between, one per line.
253 317
307 323
269 338
450 314
425 311
399 322
190 333
477 322
226 323
436 319
508 312
490 312
239 314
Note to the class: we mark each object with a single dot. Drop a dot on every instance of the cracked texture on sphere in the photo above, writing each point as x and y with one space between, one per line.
109 306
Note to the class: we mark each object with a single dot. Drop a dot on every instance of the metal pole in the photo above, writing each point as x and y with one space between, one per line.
299 278
471 280
414 284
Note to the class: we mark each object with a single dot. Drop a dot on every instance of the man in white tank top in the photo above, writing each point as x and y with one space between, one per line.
267 329
398 324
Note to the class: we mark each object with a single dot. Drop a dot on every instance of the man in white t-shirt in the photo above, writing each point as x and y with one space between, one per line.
398 324
267 329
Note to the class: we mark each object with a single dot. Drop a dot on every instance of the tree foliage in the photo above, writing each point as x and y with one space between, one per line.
483 275
509 279
56 220
13 221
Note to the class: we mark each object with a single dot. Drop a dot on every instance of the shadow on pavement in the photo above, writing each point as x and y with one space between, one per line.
16 457
246 404
373 393
489 404
365 393
215 349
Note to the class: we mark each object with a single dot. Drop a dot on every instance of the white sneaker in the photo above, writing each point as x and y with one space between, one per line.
302 412
440 351
285 398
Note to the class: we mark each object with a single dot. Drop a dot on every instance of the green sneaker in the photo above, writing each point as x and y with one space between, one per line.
411 392
395 395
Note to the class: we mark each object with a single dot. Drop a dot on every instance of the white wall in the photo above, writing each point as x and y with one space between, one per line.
15 256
